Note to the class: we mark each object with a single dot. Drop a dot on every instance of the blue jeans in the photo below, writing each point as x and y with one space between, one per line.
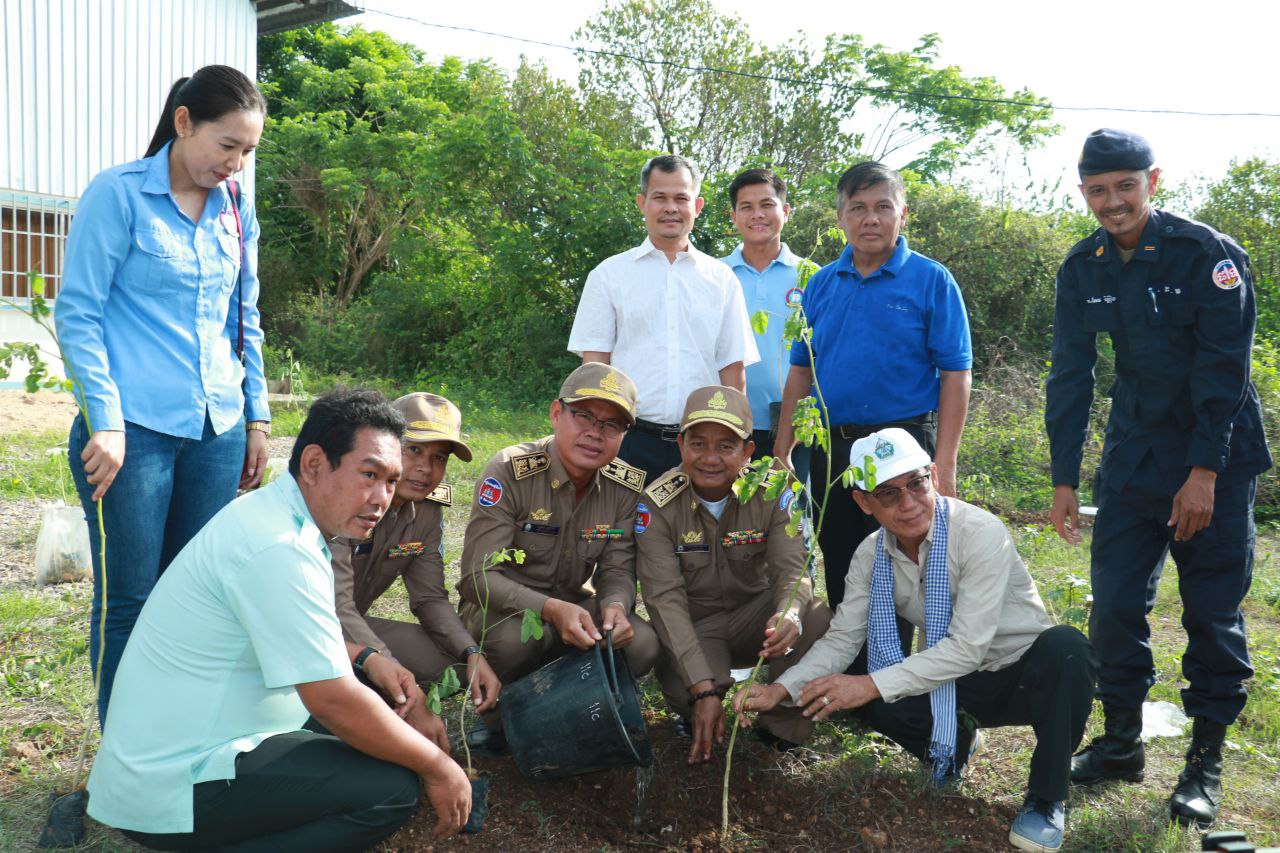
167 489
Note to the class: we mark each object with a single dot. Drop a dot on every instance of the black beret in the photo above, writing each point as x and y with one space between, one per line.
1110 150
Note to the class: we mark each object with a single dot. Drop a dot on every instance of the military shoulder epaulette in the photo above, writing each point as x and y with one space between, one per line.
664 490
442 494
1089 244
621 472
529 464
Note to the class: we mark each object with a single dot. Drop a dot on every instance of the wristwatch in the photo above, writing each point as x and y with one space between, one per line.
358 663
260 426
472 650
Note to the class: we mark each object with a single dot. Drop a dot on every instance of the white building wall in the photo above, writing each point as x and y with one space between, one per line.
84 82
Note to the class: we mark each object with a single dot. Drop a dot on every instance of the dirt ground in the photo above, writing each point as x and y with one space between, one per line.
40 412
777 803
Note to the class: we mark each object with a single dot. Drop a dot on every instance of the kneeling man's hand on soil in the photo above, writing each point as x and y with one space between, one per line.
708 723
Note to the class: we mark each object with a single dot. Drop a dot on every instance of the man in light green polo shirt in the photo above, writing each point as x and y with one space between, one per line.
239 645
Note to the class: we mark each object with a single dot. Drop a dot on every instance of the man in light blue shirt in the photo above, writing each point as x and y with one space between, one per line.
239 645
768 272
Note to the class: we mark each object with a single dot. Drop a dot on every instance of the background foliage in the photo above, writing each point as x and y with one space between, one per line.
429 222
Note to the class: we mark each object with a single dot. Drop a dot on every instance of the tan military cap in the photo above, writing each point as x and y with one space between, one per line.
718 404
598 381
431 417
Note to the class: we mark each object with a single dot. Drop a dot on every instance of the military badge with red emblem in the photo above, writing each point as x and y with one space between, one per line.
490 492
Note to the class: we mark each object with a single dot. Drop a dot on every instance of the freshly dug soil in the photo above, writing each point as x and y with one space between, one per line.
777 802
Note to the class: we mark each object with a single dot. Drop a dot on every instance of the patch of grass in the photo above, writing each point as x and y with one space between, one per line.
34 465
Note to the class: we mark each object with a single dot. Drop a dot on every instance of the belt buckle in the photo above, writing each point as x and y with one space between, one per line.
669 433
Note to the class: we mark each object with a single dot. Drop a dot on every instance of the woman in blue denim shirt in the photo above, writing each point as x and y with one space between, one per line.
152 313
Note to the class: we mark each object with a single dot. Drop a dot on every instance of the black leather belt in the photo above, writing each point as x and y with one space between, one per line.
853 432
666 432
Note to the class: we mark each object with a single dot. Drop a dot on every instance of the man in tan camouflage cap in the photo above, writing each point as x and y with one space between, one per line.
717 573
408 543
569 505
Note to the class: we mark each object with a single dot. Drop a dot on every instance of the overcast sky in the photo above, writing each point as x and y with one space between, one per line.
1216 56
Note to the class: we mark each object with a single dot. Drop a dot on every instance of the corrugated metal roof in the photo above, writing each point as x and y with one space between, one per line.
275 16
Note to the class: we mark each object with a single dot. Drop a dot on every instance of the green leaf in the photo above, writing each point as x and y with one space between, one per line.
433 699
793 523
530 626
449 682
760 322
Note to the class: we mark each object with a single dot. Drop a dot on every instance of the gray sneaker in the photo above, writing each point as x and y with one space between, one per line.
1039 825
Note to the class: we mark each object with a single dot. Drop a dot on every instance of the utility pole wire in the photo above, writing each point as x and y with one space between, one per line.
827 84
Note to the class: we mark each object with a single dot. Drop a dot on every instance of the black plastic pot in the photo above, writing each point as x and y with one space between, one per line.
578 714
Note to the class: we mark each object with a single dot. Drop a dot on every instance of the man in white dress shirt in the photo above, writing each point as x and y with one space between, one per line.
667 315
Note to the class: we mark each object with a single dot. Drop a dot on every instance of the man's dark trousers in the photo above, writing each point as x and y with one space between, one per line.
299 791
1131 539
1050 688
642 448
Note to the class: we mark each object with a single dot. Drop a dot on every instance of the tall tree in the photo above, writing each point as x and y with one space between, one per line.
706 89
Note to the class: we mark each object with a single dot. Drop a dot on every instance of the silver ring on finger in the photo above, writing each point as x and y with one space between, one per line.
826 700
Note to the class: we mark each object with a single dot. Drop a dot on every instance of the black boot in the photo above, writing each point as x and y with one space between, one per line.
1199 790
1118 754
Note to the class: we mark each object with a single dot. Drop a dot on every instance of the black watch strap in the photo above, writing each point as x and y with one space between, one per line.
358 663
472 650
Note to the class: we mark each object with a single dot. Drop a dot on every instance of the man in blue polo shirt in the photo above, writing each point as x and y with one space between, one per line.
239 644
767 271
890 348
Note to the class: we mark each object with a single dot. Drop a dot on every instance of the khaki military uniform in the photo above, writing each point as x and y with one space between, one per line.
578 551
408 543
712 586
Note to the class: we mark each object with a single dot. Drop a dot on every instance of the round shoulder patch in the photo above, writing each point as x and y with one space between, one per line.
1225 275
642 517
490 492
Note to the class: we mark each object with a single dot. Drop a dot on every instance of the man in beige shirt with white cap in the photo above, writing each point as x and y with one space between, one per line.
993 656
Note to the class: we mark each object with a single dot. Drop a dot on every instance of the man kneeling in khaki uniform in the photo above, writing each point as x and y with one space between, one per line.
570 506
717 574
408 543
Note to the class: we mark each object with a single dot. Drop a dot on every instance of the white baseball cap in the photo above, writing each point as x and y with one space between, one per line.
884 455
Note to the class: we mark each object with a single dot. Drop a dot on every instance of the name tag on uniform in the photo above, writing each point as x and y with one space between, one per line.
544 529
697 546
362 548
406 549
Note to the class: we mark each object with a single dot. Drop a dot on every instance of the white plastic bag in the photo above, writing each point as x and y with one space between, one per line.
1162 719
62 549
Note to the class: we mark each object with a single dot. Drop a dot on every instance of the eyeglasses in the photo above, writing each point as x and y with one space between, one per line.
917 486
584 421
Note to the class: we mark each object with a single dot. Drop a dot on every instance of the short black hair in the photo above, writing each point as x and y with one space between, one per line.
336 417
669 163
867 174
750 178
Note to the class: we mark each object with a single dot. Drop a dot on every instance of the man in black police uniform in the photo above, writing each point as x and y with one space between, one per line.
1184 446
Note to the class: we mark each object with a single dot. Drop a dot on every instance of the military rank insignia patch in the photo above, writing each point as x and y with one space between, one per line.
667 488
406 549
442 494
362 548
1225 275
621 472
529 464
490 492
